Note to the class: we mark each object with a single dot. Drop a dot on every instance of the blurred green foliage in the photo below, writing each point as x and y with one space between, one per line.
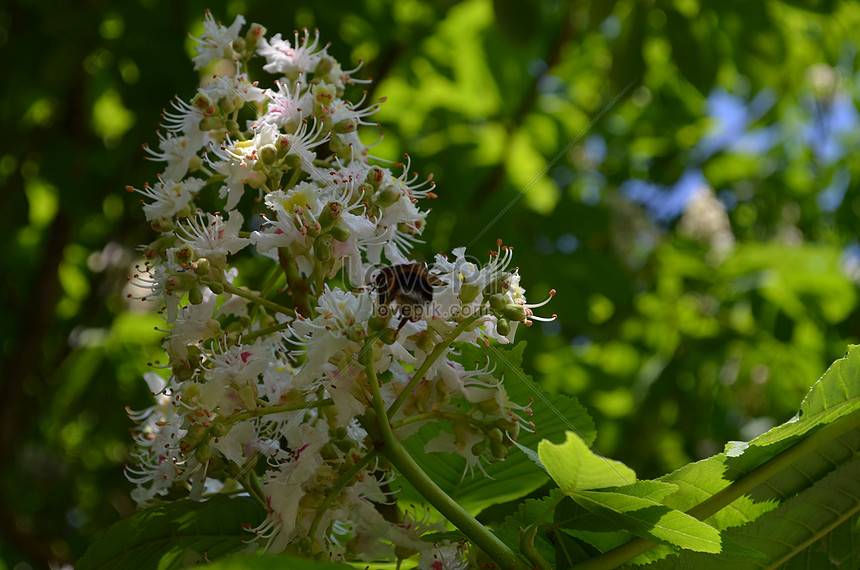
580 133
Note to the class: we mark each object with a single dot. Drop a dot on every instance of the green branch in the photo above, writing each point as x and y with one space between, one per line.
341 484
401 460
260 412
428 362
230 288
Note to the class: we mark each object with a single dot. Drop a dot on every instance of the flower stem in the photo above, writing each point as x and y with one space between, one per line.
265 331
260 412
341 484
230 288
394 451
428 362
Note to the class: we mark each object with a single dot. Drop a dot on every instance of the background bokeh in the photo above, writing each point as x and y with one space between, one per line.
683 172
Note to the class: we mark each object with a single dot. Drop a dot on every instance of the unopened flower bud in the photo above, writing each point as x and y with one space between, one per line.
388 195
269 154
228 105
345 126
496 435
378 322
479 448
180 282
162 224
256 179
215 287
498 450
355 332
468 292
322 250
503 325
497 301
195 296
203 267
203 452
515 312
389 336
340 233
253 35
211 123
239 45
324 66
219 429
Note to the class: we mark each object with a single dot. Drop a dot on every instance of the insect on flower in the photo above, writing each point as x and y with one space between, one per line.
410 285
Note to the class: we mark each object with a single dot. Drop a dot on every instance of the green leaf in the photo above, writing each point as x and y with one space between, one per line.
530 511
651 520
517 475
575 467
693 49
175 535
816 529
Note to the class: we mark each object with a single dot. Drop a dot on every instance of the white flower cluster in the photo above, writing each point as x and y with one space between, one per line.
268 389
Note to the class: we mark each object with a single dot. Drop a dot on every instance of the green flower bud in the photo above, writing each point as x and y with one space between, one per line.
322 250
203 267
345 126
269 154
215 287
503 325
355 332
515 312
228 105
468 292
253 35
498 450
389 336
496 435
195 296
180 282
328 451
219 429
162 224
239 45
497 301
210 123
387 196
378 323
340 233
479 448
203 452
324 66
